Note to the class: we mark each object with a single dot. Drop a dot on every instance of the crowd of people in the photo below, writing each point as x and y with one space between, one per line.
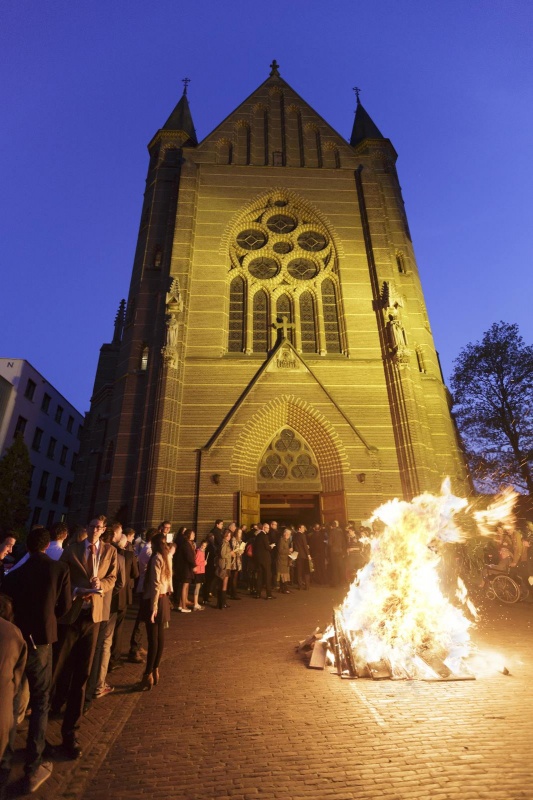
63 604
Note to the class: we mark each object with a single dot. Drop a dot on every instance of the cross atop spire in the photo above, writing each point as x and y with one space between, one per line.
357 91
185 83
274 69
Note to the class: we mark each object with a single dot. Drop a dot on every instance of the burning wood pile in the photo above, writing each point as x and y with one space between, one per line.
395 621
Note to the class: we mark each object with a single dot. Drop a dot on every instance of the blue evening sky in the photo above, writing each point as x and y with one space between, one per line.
85 85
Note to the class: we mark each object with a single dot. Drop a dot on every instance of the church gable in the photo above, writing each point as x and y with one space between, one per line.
275 127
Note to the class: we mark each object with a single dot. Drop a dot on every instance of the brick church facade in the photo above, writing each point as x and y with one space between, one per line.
274 358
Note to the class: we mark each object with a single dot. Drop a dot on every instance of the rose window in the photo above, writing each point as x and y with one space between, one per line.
288 458
251 240
263 268
304 468
282 248
312 241
303 269
281 223
287 441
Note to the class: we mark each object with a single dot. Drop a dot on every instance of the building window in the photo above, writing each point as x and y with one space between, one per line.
308 323
45 405
68 494
236 316
63 456
420 360
57 489
37 439
400 263
50 519
41 492
80 430
158 258
143 366
331 318
59 414
70 423
51 448
36 516
260 315
74 460
20 427
283 255
30 389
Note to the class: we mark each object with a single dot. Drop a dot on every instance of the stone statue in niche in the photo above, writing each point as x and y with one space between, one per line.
174 307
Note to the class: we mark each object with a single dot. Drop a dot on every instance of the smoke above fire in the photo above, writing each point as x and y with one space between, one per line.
396 612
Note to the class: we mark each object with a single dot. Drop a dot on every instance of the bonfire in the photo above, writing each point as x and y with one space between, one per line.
396 621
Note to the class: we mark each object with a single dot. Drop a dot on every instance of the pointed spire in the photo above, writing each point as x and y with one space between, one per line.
363 126
181 118
119 322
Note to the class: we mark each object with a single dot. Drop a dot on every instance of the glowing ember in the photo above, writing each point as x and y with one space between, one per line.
395 621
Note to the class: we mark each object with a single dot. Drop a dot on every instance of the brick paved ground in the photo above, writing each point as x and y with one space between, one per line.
237 716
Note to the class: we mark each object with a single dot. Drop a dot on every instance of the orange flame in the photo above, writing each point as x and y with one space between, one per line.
395 609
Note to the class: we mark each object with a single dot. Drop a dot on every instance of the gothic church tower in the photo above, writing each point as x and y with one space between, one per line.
275 357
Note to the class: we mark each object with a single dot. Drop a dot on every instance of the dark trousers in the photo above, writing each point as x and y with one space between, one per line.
39 675
116 647
264 577
302 574
137 634
77 643
207 586
337 569
97 659
155 633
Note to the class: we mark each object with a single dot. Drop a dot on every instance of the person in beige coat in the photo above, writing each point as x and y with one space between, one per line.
93 572
155 609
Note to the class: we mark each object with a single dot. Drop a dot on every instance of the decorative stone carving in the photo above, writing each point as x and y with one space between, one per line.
174 307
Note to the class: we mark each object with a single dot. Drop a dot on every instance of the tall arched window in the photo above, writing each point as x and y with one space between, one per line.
331 317
260 315
284 309
236 316
308 323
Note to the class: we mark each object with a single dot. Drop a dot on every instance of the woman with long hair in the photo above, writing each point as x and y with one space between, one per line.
225 563
156 608
184 568
238 546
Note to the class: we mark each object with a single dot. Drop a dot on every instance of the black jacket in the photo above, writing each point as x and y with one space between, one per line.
261 548
40 590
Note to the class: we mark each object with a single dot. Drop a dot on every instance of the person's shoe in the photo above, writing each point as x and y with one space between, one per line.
135 658
105 691
37 778
114 665
270 597
198 608
185 610
72 748
146 683
155 676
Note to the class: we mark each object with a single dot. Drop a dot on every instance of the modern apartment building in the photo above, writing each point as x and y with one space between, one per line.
51 428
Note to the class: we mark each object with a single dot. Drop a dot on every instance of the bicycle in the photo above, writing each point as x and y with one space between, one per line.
503 587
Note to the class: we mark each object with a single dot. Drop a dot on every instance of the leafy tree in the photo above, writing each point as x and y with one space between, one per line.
492 386
15 480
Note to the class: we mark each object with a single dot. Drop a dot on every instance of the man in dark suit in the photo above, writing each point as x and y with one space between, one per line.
93 572
40 590
263 562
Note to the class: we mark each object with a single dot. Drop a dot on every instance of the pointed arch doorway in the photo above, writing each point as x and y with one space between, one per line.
289 486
